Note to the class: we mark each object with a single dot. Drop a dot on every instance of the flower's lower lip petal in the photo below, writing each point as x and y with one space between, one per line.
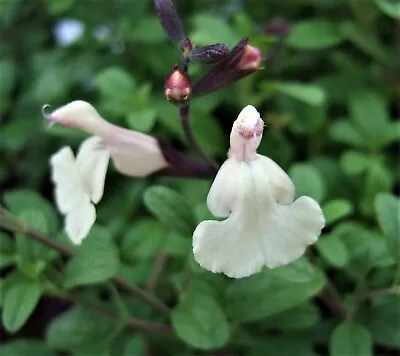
79 222
226 247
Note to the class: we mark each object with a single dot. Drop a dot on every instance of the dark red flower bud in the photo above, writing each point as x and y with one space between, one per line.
210 54
277 27
169 19
240 62
177 86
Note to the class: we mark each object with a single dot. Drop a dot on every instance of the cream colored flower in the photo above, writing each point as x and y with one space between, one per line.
79 183
263 226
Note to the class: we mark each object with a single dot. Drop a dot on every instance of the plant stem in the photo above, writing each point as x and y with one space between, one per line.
10 223
158 267
133 323
184 116
374 293
331 298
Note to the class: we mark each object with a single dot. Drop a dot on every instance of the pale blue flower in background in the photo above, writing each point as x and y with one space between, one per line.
68 31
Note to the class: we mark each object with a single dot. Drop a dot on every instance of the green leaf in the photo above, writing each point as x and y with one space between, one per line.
368 112
209 28
366 42
352 339
171 208
7 250
300 317
314 35
97 260
266 294
297 271
135 346
25 348
143 240
8 73
148 31
389 7
332 250
383 320
307 181
20 300
387 209
115 82
307 93
335 210
21 200
354 162
142 120
344 131
79 328
200 322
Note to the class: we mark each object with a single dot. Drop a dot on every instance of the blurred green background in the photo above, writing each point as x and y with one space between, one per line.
330 100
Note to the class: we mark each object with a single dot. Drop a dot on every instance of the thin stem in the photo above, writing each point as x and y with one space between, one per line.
331 298
133 323
374 293
158 267
184 116
8 222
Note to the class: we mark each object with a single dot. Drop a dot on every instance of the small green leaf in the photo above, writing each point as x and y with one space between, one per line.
97 260
135 346
354 162
170 208
300 317
143 240
266 294
20 300
307 93
114 82
78 328
314 35
210 28
148 31
365 41
307 181
387 209
344 131
25 348
383 319
390 7
352 339
335 210
200 322
142 120
332 250
297 271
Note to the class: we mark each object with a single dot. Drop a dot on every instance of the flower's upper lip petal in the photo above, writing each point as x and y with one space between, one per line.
92 160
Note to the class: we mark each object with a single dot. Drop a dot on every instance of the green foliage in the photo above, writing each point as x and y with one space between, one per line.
351 339
330 103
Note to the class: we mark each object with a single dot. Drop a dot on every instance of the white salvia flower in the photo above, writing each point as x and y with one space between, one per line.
79 183
263 226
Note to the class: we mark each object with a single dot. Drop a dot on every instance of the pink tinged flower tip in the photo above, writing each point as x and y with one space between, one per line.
250 59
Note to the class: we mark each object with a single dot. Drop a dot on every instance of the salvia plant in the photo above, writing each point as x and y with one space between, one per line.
236 250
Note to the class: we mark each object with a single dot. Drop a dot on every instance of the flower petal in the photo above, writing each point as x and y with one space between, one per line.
79 222
226 187
70 192
92 159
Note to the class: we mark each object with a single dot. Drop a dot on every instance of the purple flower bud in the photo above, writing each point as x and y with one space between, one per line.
240 62
210 54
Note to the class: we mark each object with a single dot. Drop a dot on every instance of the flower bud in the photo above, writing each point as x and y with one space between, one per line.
250 59
177 86
210 54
